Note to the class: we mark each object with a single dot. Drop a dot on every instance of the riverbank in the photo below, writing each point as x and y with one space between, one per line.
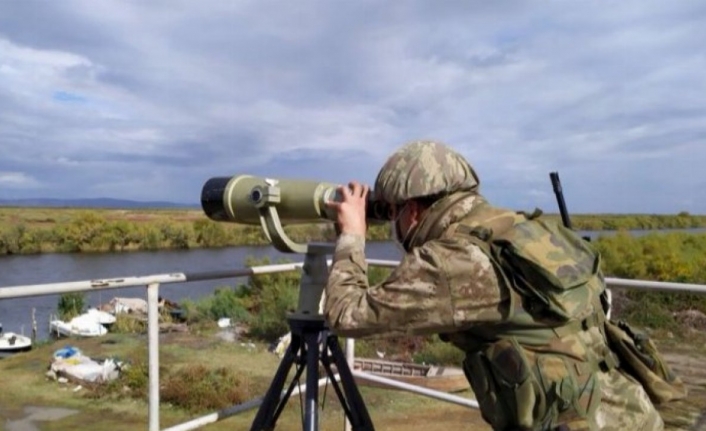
73 230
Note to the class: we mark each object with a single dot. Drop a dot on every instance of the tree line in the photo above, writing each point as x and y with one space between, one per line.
92 231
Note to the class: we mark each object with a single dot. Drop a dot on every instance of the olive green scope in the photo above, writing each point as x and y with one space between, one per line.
239 199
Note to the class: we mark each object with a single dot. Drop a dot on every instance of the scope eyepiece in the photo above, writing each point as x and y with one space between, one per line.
256 195
377 210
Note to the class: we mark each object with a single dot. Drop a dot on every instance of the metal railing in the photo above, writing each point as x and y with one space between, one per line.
153 282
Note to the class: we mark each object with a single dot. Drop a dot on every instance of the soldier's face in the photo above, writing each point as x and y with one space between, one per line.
404 218
396 215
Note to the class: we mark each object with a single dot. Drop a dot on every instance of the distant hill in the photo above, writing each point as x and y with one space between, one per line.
92 203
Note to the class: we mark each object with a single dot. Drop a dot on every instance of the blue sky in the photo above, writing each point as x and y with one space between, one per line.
148 100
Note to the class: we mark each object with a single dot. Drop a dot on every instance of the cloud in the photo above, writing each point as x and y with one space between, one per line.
149 100
17 180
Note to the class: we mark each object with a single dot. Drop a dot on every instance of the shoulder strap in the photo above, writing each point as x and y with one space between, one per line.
484 221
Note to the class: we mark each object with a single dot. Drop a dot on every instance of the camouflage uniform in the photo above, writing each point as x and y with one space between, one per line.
527 372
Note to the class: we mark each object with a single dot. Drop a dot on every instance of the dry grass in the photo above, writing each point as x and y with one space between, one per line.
24 384
246 372
46 217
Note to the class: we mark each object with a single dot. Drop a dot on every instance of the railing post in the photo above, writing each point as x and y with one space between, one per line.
350 358
153 353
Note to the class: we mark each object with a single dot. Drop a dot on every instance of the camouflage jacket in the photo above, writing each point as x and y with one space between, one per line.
525 371
441 285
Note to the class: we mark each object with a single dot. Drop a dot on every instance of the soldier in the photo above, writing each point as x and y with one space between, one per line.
522 297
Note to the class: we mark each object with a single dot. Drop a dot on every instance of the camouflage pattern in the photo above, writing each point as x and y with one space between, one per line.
625 405
555 271
640 357
423 168
526 372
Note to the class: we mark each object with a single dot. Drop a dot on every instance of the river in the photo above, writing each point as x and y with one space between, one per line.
16 314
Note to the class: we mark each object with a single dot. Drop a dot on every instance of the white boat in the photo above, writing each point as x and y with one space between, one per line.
81 326
11 342
102 317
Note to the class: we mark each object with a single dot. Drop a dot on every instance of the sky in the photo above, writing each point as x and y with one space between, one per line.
147 100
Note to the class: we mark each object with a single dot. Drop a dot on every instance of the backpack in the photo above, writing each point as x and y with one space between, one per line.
547 263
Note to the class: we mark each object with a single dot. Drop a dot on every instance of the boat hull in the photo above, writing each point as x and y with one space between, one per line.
444 379
14 343
81 329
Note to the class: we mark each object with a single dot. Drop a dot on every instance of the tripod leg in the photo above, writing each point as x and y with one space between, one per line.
353 403
269 410
311 412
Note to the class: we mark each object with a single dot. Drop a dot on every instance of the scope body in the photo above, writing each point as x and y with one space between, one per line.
238 199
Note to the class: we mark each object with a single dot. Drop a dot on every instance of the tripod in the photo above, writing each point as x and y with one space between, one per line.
311 344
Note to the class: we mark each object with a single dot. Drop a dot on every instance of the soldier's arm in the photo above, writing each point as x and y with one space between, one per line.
439 287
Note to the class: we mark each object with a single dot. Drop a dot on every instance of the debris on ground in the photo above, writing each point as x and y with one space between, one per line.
71 364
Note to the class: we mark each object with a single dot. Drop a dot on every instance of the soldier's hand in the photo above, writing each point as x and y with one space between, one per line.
350 210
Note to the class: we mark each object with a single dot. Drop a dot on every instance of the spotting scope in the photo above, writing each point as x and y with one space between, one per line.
241 198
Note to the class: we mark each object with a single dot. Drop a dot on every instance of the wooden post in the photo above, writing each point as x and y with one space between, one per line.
34 326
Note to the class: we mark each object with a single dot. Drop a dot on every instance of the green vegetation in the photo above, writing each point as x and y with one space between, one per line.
262 304
198 388
70 305
600 222
676 257
66 230
129 324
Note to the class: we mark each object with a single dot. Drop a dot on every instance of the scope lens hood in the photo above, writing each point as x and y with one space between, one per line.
212 198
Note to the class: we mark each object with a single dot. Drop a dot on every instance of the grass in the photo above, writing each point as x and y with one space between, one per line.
38 216
189 355
201 373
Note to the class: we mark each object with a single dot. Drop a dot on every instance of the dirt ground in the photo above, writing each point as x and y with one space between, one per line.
432 415
689 414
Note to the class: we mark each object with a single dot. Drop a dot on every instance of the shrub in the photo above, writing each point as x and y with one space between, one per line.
209 233
135 377
128 324
437 352
676 257
225 302
648 312
268 318
70 305
198 388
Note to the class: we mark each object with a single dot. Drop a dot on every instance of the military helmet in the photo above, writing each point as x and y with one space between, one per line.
423 168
